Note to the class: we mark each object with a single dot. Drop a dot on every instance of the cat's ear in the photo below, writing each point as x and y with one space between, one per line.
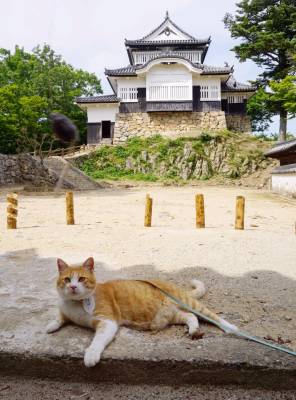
62 266
89 264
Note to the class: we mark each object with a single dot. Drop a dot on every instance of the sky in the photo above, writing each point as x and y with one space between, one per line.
90 34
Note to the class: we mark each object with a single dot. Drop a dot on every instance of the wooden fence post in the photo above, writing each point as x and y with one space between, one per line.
200 211
12 210
240 213
69 208
148 211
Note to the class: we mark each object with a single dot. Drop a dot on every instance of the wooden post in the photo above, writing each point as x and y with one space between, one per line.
240 213
11 210
200 211
69 208
148 211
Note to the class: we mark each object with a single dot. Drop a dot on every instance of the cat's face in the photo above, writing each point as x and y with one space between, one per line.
76 283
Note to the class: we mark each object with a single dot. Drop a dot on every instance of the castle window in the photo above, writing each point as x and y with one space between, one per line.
214 92
235 99
204 92
209 93
128 94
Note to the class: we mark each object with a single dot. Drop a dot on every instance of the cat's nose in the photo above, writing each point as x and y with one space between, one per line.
73 287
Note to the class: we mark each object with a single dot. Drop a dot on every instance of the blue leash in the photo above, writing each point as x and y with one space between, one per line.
237 333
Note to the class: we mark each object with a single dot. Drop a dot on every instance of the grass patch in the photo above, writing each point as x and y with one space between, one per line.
158 158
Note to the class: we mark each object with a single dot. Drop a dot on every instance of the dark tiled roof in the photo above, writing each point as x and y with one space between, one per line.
191 39
141 42
109 98
281 148
130 70
284 169
233 86
210 70
124 71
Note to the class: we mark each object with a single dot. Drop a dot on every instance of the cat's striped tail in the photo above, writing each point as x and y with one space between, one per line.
203 312
213 318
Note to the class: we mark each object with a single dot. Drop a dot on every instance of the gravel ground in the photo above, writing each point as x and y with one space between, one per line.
21 389
250 274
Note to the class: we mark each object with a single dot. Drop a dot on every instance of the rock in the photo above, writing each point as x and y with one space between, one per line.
24 169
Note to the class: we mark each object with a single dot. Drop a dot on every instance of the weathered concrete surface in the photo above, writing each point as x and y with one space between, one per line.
28 302
250 277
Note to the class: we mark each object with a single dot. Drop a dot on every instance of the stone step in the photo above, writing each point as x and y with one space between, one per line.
73 175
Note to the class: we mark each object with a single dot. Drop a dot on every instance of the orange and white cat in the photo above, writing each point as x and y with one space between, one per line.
105 307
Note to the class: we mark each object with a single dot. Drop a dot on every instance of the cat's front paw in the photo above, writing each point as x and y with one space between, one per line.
53 326
91 357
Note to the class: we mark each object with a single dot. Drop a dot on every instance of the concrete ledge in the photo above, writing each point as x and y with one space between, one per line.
217 361
28 302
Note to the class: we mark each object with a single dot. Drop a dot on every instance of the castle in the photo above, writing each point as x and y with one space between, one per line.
167 89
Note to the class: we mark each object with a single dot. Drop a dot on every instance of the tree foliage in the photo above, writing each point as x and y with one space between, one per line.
267 30
257 108
32 85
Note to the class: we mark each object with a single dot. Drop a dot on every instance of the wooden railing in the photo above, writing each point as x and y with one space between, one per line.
61 152
144 56
169 92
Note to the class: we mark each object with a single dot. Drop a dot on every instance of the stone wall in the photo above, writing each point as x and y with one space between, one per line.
238 123
24 169
172 124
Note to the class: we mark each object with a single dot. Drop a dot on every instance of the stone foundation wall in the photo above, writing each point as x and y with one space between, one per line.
172 124
238 123
24 169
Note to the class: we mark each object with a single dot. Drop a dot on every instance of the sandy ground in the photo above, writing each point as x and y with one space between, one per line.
250 274
29 389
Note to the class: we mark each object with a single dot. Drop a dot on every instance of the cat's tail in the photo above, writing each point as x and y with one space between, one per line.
199 289
200 308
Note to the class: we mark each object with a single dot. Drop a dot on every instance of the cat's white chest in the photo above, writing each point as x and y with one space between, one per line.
75 312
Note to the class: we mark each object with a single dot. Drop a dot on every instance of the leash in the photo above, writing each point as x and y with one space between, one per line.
216 323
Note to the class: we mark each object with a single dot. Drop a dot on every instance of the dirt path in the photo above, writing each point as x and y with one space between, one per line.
250 274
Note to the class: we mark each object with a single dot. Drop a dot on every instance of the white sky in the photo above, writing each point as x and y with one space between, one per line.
90 34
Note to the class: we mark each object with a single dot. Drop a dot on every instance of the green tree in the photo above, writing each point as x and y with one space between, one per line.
32 85
257 108
267 29
285 93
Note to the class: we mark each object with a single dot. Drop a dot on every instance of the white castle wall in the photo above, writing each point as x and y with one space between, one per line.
102 112
284 183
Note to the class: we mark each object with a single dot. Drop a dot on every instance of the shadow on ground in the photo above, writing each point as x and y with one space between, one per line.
261 302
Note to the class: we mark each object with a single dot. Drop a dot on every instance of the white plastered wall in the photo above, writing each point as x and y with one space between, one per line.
129 83
162 73
169 75
102 112
284 183
199 80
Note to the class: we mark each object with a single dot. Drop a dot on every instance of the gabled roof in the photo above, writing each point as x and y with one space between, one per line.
109 98
282 148
231 85
167 27
131 70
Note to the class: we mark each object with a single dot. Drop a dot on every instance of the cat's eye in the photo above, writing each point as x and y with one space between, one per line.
67 280
81 279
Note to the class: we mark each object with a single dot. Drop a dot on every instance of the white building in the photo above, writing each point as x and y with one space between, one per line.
283 177
166 78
